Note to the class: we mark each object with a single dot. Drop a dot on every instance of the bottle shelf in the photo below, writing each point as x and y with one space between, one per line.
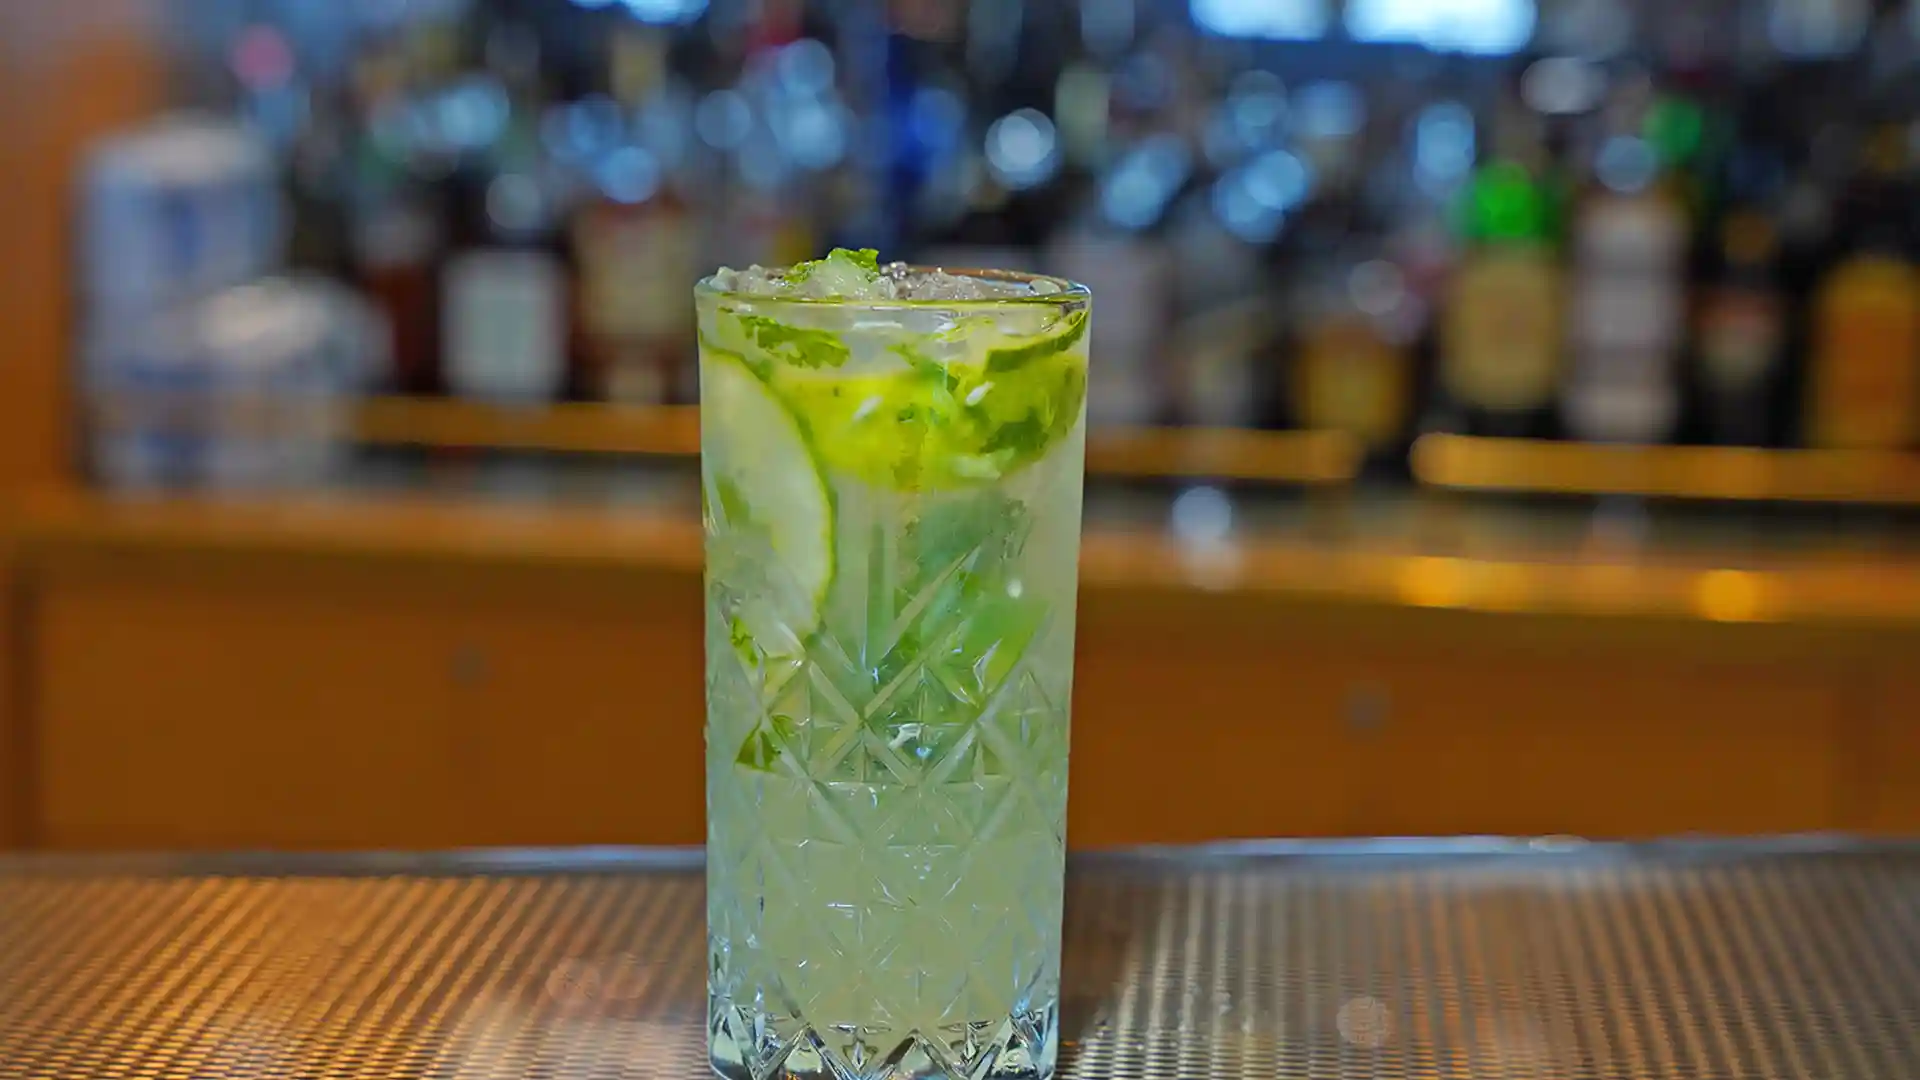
1280 457
475 537
1707 473
446 424
1439 462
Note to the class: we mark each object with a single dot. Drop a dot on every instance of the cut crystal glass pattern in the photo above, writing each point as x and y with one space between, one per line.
886 816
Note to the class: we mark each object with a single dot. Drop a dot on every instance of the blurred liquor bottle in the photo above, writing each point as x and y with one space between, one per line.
1118 102
1742 333
1362 308
1628 301
171 212
176 227
1118 251
1864 364
394 209
1501 338
1013 172
772 25
1083 95
927 172
319 158
787 161
760 206
635 239
1225 348
764 220
1354 366
1117 245
506 295
1220 351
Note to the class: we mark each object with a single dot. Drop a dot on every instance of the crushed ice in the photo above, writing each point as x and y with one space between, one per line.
835 280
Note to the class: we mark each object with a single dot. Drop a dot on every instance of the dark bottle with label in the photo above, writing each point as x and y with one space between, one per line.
634 239
395 236
506 298
317 164
394 221
1741 336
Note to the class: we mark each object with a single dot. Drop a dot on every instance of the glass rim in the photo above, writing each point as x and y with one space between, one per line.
1070 294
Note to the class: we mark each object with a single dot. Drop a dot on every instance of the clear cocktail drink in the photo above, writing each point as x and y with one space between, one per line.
892 472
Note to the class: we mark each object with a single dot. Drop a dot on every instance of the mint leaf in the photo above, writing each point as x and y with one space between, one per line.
796 345
975 542
710 347
1018 356
762 747
1027 415
987 529
741 639
733 503
918 360
1025 437
997 636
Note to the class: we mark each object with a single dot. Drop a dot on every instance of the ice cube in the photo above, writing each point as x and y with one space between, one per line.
829 279
753 281
937 284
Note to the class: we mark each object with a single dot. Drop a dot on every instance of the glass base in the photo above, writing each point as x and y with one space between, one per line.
744 1046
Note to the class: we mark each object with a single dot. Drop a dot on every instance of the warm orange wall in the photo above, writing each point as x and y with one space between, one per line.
68 71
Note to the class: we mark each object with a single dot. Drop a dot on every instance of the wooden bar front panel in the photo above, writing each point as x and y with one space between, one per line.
1889 759
16 773
301 702
351 709
1602 746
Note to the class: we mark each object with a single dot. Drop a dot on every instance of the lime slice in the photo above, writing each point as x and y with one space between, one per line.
769 502
945 425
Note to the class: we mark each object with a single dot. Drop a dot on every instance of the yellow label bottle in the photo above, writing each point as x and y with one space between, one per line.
1351 379
1864 388
1501 337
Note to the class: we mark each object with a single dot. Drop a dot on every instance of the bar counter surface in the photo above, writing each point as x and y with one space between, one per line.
1478 958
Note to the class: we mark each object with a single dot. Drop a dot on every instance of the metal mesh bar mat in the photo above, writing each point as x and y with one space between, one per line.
1600 963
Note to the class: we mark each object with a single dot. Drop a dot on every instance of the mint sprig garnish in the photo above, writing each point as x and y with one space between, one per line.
866 260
